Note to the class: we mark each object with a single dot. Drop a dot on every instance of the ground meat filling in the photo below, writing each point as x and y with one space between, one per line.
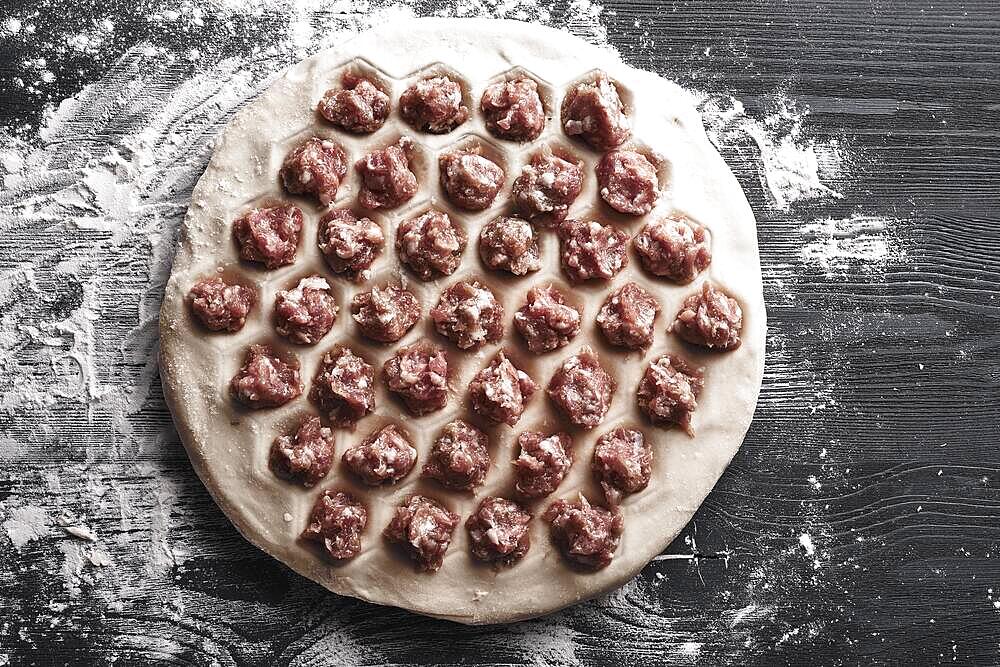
622 463
513 110
269 235
500 391
546 321
386 179
675 248
627 317
220 306
304 457
423 527
433 105
385 457
418 374
359 106
547 187
305 314
460 457
470 180
591 250
586 535
510 244
265 381
336 523
315 167
430 245
498 531
543 462
628 182
582 389
668 392
385 314
349 244
344 387
468 314
711 319
593 111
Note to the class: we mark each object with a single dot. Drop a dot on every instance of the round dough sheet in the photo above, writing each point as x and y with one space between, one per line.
229 444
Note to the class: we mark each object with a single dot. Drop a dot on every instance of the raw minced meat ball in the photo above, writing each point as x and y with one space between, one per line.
305 313
423 527
269 234
221 306
582 389
587 535
350 245
711 319
266 380
434 105
668 391
359 105
674 247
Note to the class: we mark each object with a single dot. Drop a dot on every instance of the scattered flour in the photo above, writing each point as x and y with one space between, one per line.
26 524
838 244
791 162
103 182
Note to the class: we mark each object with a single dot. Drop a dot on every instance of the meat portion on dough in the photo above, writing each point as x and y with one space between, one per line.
430 245
710 318
269 235
433 105
305 313
500 391
587 535
350 245
385 314
509 244
547 187
622 464
513 109
593 111
546 321
498 531
543 462
315 167
590 250
344 387
674 247
423 528
304 457
359 106
471 180
468 314
265 380
221 306
418 374
460 457
668 391
386 178
582 389
385 457
627 317
336 523
628 182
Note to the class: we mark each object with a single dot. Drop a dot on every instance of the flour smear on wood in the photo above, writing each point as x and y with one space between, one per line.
90 204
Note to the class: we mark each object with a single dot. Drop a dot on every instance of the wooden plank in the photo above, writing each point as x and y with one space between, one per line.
859 523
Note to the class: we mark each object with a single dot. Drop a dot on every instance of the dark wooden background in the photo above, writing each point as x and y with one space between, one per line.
876 433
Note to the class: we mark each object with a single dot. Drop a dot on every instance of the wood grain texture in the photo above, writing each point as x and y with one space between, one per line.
876 433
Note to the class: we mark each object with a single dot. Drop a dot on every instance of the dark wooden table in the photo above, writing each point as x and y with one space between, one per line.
858 524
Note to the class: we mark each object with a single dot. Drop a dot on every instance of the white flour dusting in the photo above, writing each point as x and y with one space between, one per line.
99 189
792 164
837 244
